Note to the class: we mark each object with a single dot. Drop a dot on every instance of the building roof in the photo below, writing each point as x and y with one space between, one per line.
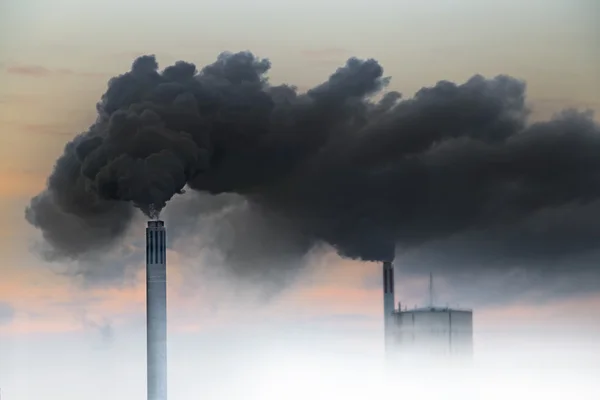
434 309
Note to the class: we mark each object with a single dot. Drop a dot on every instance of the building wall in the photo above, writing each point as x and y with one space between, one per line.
434 333
462 333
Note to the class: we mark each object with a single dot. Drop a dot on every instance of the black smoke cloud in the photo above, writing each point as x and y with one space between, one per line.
331 165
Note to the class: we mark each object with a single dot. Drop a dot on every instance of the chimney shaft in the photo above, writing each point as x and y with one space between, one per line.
388 299
156 310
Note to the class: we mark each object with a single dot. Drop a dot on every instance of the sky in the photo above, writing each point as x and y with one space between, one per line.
55 60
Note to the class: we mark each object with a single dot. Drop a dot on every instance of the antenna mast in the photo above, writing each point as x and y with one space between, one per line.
430 289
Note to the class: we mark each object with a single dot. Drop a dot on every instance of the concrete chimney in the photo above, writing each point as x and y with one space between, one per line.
156 310
388 299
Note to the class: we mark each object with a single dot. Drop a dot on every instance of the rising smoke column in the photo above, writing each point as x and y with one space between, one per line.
331 165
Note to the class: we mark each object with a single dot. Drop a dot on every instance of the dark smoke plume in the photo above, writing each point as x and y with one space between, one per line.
331 165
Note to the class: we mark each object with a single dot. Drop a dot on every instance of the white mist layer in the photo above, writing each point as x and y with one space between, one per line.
297 364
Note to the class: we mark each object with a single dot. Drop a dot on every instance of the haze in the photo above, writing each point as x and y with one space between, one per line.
71 333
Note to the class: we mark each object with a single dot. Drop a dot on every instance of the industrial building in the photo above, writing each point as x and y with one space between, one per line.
425 332
432 332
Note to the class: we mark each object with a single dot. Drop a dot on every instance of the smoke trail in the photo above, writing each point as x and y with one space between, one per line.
330 165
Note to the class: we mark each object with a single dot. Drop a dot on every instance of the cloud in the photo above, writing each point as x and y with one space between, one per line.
115 269
7 313
550 254
39 71
331 166
230 235
545 108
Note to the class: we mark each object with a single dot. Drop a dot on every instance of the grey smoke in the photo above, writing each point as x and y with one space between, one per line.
554 249
244 234
103 327
331 165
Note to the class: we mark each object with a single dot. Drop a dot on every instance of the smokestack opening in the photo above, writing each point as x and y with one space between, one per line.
156 224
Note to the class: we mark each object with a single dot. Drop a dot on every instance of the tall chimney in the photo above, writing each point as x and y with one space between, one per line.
388 300
156 310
